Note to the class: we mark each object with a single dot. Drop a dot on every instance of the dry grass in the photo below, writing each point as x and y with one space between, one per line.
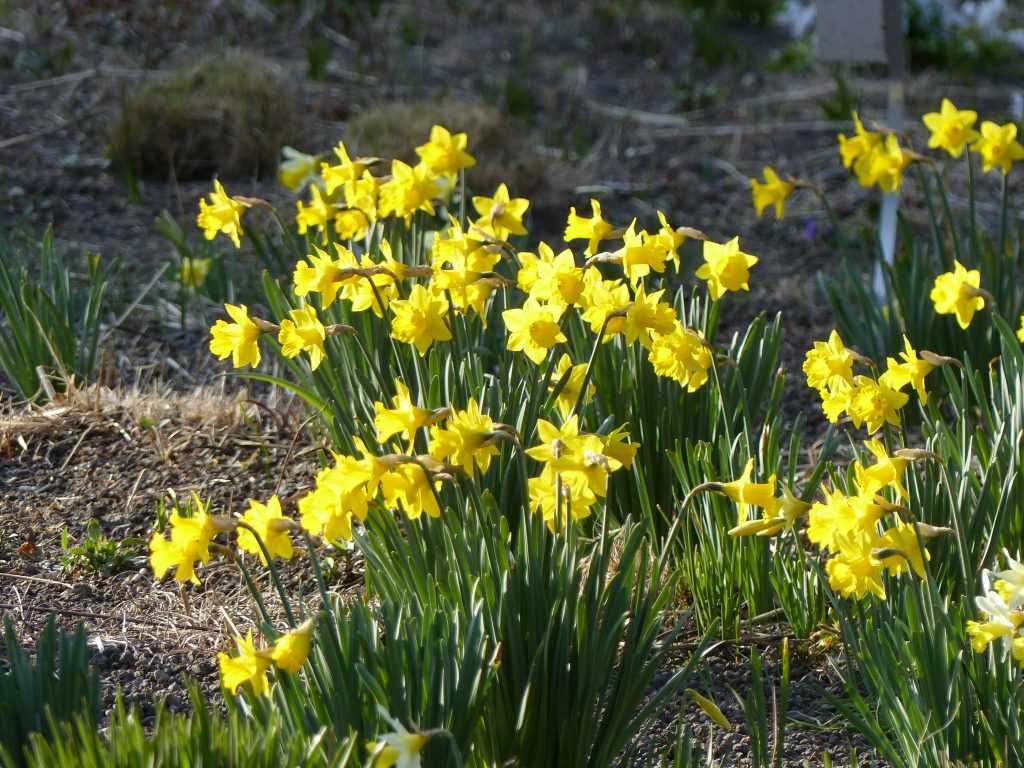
228 114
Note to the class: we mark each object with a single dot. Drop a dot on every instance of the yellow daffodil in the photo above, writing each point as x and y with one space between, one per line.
772 191
1020 330
952 129
558 281
292 649
671 239
854 571
560 498
617 447
886 472
249 666
898 549
316 214
956 293
188 544
835 400
1010 582
408 487
193 272
857 149
467 439
270 525
222 213
345 172
746 493
998 147
912 370
404 417
593 230
726 267
340 493
573 376
788 511
238 339
681 355
874 403
605 303
296 170
420 319
501 215
828 364
648 316
303 332
641 254
351 224
445 154
323 274
886 165
840 514
410 189
533 329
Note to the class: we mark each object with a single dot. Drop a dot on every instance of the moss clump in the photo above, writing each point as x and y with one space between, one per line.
228 113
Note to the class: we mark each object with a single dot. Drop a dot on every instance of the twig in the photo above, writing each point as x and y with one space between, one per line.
72 77
40 579
85 433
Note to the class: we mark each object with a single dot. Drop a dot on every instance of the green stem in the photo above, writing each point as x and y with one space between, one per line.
590 367
1004 217
274 575
973 212
949 215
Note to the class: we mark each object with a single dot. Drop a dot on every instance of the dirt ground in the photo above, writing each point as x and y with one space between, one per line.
614 108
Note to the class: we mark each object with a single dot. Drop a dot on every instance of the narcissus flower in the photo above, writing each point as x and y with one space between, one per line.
885 166
839 515
593 230
270 525
193 271
606 303
188 544
641 254
292 649
400 748
420 319
1000 621
789 509
445 153
726 267
772 191
998 147
681 355
408 487
898 550
323 274
886 472
828 364
854 571
501 215
558 281
952 129
222 213
303 332
1020 331
956 293
856 150
316 214
648 316
238 339
573 376
346 172
533 329
403 418
340 493
912 370
296 170
249 666
747 493
874 403
467 439
409 189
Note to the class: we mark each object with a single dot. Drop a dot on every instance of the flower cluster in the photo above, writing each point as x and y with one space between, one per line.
250 664
1002 610
868 400
576 469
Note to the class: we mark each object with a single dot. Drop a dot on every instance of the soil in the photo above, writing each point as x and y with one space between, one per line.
612 106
